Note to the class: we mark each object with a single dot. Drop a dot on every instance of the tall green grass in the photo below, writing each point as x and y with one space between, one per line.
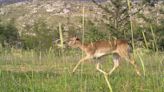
23 71
31 71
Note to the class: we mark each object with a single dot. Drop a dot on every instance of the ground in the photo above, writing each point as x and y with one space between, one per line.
28 71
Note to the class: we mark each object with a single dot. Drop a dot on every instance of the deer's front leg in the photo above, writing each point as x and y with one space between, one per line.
100 70
81 60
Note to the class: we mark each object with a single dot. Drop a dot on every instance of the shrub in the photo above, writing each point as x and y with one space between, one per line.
41 37
9 36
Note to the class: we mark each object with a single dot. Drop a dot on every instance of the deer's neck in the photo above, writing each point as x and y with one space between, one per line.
82 46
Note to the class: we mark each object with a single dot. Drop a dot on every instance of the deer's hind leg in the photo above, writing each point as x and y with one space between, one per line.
116 60
131 60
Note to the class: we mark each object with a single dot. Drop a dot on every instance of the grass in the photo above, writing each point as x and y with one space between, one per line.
24 71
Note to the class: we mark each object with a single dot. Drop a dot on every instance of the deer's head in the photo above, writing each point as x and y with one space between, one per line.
74 42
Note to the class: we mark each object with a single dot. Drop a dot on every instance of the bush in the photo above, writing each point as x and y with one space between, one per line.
93 34
41 36
9 36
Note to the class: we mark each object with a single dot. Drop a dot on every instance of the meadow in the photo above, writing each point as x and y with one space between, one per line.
33 30
30 71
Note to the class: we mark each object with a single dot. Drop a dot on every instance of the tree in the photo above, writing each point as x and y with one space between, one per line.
117 16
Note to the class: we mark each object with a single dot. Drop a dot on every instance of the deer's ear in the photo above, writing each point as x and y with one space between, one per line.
76 36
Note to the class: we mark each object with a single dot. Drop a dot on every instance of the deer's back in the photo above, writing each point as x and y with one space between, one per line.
100 48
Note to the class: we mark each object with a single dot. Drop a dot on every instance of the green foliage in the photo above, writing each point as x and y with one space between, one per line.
25 72
9 35
154 37
159 36
93 34
41 37
116 15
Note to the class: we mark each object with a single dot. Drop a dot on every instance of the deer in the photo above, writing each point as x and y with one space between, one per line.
120 49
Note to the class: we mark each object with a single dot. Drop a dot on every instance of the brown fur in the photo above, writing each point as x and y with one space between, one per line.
119 49
108 47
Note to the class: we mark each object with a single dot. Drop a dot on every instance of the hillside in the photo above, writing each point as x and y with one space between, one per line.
26 13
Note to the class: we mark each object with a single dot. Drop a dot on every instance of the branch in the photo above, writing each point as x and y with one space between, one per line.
127 16
102 7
